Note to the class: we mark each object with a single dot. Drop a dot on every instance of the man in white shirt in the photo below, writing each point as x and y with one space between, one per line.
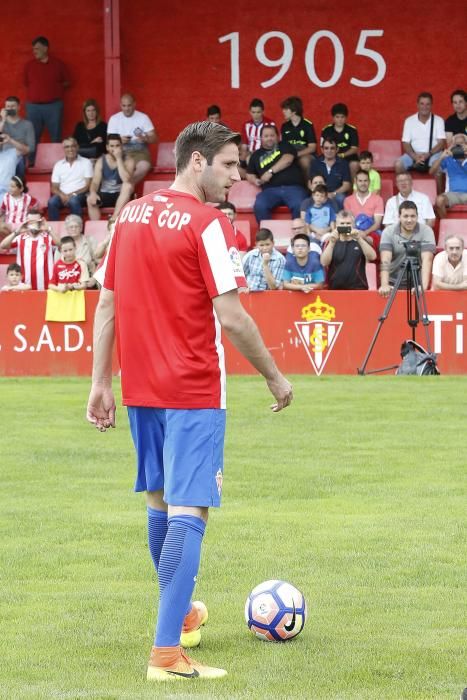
426 215
450 266
137 131
71 178
419 153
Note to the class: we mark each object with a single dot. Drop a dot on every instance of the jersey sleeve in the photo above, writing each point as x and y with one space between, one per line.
310 132
219 259
54 278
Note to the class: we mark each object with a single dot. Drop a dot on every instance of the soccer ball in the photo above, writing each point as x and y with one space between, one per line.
275 611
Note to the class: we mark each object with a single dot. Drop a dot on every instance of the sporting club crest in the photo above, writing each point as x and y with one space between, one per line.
318 332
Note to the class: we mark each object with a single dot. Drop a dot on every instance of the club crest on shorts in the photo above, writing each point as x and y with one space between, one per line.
219 480
318 332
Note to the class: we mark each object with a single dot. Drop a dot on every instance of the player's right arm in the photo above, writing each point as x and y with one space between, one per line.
101 403
243 333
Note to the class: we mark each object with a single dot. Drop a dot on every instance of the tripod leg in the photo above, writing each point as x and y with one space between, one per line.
422 308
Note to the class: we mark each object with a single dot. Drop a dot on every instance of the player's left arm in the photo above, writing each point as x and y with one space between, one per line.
101 403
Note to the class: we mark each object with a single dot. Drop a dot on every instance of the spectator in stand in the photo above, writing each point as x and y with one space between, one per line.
404 184
393 252
46 79
457 123
346 254
453 163
69 273
334 170
303 271
345 135
213 114
91 132
111 184
14 280
71 178
231 213
85 245
15 206
318 213
33 242
366 163
362 201
450 266
16 141
137 132
251 131
298 132
264 265
316 180
273 168
419 151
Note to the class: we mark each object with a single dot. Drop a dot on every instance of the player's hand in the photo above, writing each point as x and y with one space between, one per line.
101 407
281 389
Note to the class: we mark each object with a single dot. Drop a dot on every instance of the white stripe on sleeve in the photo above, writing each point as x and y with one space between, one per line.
218 257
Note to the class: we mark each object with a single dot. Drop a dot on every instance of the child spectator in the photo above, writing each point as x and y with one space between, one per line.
15 206
14 280
317 212
213 114
303 270
68 273
264 265
345 135
298 132
366 164
230 211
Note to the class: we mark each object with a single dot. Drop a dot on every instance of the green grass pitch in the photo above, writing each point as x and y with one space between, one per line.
356 494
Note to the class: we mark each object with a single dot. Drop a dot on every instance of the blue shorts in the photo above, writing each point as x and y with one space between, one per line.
180 451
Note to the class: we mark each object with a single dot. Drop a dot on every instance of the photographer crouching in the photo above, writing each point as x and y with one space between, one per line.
399 240
346 253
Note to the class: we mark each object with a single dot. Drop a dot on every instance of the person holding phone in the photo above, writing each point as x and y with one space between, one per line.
346 254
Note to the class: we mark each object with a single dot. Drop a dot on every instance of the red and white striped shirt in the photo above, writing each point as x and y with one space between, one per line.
35 257
16 209
251 133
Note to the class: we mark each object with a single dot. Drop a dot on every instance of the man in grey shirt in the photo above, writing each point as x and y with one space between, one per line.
16 141
393 252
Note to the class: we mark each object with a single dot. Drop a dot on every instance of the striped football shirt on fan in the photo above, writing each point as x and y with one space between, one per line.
16 209
35 257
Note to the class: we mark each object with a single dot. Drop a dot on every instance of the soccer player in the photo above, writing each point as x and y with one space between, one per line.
173 377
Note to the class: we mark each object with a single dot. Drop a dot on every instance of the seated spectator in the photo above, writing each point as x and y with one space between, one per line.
450 266
14 280
91 132
34 242
69 273
317 212
316 180
423 137
346 253
16 142
457 123
303 271
15 206
335 172
365 202
393 253
366 163
251 131
264 265
231 213
111 184
71 178
137 131
213 114
273 167
345 135
298 132
85 245
404 184
453 162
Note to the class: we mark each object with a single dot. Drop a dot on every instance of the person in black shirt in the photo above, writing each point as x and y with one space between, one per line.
273 167
346 253
91 132
457 122
345 135
298 132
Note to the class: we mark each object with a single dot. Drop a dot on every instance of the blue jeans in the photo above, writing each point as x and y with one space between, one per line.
337 202
290 196
47 115
75 205
8 161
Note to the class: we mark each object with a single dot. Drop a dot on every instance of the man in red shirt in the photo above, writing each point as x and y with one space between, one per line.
168 330
45 78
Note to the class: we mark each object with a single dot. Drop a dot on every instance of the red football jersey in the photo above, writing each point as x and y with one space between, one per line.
66 273
251 133
169 257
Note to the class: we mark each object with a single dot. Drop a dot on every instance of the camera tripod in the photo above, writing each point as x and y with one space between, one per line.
416 309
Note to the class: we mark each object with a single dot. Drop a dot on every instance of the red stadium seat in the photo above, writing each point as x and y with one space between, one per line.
47 154
59 227
385 153
387 189
370 269
41 191
165 159
281 229
450 227
427 186
153 185
243 194
245 228
97 230
3 269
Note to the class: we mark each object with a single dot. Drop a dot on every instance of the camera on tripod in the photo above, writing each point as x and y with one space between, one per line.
413 249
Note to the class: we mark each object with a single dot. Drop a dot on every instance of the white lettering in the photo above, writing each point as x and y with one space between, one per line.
17 333
438 320
45 339
174 219
124 214
67 346
459 334
148 211
184 219
134 211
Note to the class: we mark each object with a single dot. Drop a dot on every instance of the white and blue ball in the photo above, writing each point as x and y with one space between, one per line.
275 611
